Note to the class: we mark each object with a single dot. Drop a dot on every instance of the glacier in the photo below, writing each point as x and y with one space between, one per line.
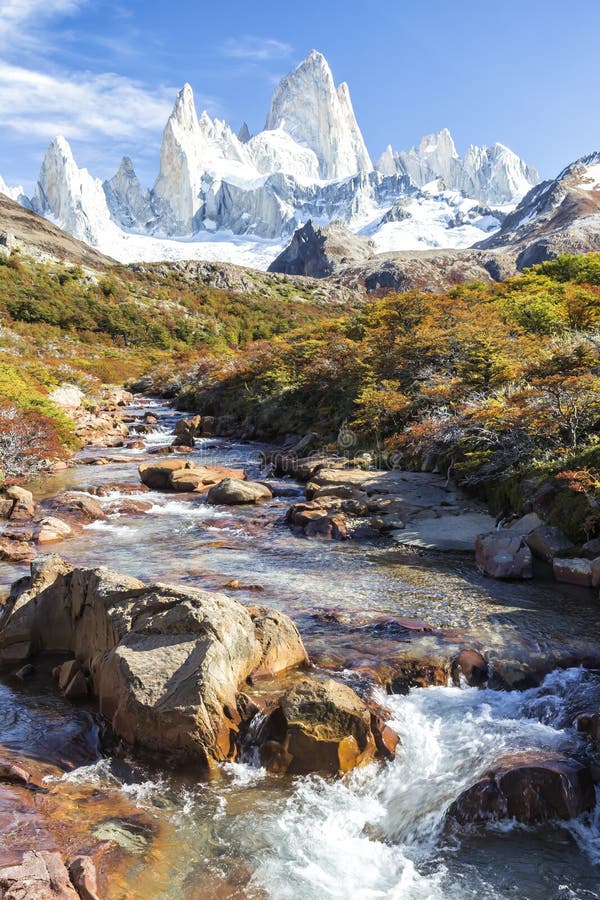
237 197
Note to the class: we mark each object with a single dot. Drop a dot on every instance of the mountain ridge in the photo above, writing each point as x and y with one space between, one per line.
243 196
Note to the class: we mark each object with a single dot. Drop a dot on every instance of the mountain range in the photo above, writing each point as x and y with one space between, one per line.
221 194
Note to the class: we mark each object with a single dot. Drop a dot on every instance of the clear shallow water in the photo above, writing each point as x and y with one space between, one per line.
380 832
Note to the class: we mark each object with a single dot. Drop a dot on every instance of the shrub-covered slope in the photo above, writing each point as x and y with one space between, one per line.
60 323
500 384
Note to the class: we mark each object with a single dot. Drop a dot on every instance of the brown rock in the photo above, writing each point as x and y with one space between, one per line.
167 663
472 666
22 499
530 788
200 479
547 542
280 641
318 727
157 476
232 491
67 671
386 739
41 875
13 773
503 555
52 529
590 725
85 878
186 430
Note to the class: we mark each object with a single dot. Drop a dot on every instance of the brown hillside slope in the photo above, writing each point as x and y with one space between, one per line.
23 229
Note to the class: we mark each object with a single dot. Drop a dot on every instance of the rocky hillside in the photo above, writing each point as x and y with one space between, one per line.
340 257
23 230
558 216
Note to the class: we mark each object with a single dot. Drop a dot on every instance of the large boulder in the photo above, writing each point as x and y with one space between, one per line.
23 506
74 508
503 555
548 541
165 663
186 430
50 529
530 788
280 642
157 476
319 726
183 476
199 479
574 570
232 491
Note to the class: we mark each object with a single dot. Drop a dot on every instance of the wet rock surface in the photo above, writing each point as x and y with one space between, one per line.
320 726
530 789
166 663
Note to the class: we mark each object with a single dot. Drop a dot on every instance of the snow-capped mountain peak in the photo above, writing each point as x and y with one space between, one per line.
69 195
308 106
129 205
15 193
493 175
223 189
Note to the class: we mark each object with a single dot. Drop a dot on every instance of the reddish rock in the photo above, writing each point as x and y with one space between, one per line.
41 875
22 500
573 571
13 773
503 555
85 878
16 551
386 739
118 487
530 788
6 505
472 666
408 673
75 507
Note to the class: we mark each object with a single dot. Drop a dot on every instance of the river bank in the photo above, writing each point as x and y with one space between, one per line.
369 613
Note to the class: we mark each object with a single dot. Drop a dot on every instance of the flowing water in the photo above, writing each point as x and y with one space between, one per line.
381 831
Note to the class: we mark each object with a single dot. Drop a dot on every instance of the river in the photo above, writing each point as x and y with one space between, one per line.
380 832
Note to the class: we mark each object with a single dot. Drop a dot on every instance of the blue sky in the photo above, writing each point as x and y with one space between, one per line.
104 72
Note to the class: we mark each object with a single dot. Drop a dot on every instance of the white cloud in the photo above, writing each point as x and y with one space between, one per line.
82 106
19 18
255 49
